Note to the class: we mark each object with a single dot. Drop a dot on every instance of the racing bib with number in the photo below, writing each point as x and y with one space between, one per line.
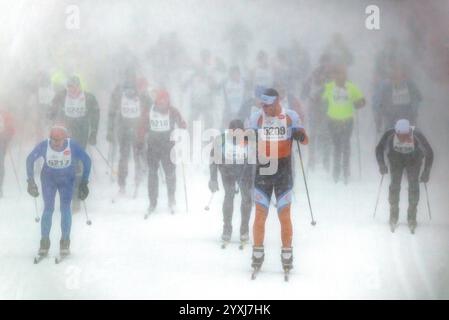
45 95
130 107
403 147
75 108
159 122
234 153
59 159
274 128
340 95
401 96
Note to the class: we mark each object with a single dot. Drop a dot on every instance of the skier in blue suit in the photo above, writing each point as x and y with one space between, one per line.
61 155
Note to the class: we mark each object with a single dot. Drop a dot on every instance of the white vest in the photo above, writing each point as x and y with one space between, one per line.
159 122
75 108
234 153
130 107
401 96
59 159
45 95
274 128
263 77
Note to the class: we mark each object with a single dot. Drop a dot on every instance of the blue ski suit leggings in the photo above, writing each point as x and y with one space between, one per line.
64 184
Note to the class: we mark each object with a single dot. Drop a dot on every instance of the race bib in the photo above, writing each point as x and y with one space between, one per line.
403 147
159 122
45 95
340 95
59 159
234 153
75 108
274 128
130 107
401 96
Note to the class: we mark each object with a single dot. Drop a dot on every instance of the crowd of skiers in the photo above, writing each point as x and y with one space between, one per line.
265 100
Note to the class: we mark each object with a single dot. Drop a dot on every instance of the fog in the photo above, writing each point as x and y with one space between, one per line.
162 41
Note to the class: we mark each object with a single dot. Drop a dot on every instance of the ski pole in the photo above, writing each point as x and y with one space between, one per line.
207 208
37 218
305 183
358 145
185 187
428 204
15 172
378 195
104 158
88 221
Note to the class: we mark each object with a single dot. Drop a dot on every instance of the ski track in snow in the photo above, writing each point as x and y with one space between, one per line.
348 254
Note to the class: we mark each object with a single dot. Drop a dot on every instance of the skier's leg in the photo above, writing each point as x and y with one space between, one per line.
125 150
66 190
336 142
170 175
245 207
49 188
413 170
396 170
346 148
228 204
153 182
262 200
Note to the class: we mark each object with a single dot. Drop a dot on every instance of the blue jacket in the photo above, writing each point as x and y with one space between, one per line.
76 154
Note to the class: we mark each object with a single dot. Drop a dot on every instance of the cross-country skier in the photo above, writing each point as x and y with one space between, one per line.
60 154
406 148
124 120
396 98
275 129
230 157
342 97
79 112
6 133
158 124
236 94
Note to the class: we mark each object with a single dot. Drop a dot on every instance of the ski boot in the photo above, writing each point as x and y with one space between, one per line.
393 225
287 261
172 206
412 226
244 238
225 239
151 209
257 260
44 247
64 248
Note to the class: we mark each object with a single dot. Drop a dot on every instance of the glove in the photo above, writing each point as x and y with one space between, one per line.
93 139
425 176
213 186
32 188
83 191
383 169
300 135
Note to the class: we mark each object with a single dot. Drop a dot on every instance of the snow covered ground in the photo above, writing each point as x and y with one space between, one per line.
348 254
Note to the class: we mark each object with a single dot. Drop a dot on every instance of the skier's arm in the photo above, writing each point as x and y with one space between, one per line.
380 148
427 149
179 120
81 155
37 152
